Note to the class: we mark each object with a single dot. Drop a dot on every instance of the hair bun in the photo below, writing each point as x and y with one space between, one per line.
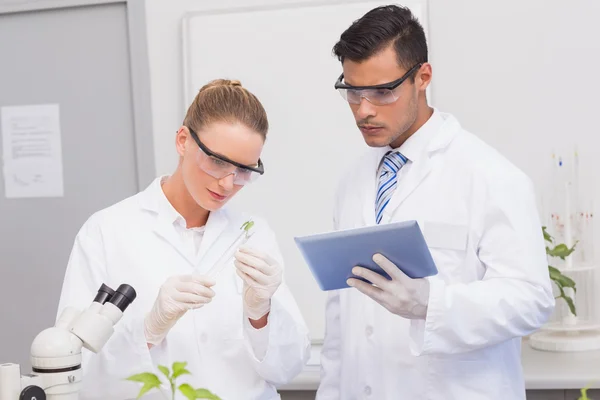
222 82
233 82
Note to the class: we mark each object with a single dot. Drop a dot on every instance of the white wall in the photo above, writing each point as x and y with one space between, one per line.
520 74
165 51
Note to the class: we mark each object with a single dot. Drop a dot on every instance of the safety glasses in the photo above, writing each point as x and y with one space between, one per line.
378 95
219 166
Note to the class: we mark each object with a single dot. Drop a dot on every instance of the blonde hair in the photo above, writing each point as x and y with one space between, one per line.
224 100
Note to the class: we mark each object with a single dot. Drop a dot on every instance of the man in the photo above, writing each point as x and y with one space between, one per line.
455 335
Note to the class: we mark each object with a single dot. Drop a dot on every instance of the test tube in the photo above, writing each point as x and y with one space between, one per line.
243 237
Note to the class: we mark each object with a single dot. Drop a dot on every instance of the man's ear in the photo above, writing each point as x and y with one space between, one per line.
424 77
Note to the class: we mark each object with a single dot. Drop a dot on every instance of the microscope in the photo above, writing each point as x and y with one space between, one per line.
56 352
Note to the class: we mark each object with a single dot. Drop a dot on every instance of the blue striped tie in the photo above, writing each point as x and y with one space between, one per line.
388 174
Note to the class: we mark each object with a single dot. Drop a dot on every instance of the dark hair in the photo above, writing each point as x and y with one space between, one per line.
224 100
379 28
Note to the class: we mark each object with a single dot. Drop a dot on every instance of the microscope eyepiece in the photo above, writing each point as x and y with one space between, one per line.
104 294
123 297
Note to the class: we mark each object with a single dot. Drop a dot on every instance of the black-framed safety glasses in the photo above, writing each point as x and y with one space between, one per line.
381 94
219 166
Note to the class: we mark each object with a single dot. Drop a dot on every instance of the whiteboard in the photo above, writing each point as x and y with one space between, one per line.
284 55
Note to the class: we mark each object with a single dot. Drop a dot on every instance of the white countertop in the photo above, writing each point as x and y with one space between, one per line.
542 370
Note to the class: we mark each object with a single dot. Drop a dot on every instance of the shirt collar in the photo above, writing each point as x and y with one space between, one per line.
166 210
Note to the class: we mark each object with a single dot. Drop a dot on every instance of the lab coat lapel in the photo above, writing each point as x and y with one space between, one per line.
418 172
166 230
424 164
162 227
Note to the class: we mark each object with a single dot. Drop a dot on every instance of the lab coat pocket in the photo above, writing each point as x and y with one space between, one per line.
466 377
447 243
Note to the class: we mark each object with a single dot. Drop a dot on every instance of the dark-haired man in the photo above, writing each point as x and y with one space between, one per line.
454 336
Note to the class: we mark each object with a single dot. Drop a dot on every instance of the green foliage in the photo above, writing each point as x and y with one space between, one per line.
562 281
150 381
247 226
584 394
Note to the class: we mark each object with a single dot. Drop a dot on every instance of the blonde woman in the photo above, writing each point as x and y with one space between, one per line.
241 331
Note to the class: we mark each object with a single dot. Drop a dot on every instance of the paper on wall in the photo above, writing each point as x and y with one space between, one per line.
32 154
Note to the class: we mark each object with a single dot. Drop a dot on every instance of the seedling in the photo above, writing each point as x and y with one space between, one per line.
562 281
151 381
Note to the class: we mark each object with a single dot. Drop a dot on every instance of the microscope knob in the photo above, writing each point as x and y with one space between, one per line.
33 393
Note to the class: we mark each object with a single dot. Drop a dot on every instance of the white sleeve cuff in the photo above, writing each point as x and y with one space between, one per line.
421 331
258 338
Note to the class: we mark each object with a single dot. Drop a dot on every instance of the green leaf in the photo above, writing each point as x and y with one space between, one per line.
146 377
570 304
193 394
180 372
178 366
247 225
165 371
149 380
584 394
553 270
561 280
568 300
547 236
206 394
560 250
188 391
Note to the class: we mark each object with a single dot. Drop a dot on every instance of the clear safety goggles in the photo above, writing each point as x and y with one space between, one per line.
219 166
378 95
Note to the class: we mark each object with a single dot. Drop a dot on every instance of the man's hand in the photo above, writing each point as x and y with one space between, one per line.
401 295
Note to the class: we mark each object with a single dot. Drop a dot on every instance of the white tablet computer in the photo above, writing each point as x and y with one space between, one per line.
331 256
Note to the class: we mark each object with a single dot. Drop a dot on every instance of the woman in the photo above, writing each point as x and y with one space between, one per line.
240 331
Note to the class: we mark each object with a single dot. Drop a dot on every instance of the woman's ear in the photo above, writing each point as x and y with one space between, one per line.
181 140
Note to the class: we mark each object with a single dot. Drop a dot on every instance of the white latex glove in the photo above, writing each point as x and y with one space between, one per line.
176 296
262 276
401 295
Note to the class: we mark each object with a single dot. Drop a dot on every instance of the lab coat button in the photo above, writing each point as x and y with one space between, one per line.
368 390
203 337
369 331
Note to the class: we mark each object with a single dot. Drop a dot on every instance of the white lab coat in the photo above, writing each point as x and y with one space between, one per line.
479 217
133 242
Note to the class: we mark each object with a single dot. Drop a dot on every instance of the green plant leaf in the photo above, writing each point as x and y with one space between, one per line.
561 251
188 391
180 372
149 380
568 300
179 369
145 377
584 394
570 304
247 225
561 280
165 371
206 394
547 236
178 366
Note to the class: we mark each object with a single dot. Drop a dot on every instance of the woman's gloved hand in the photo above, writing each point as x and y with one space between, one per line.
262 275
176 296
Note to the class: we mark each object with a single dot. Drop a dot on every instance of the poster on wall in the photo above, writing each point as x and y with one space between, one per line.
32 154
